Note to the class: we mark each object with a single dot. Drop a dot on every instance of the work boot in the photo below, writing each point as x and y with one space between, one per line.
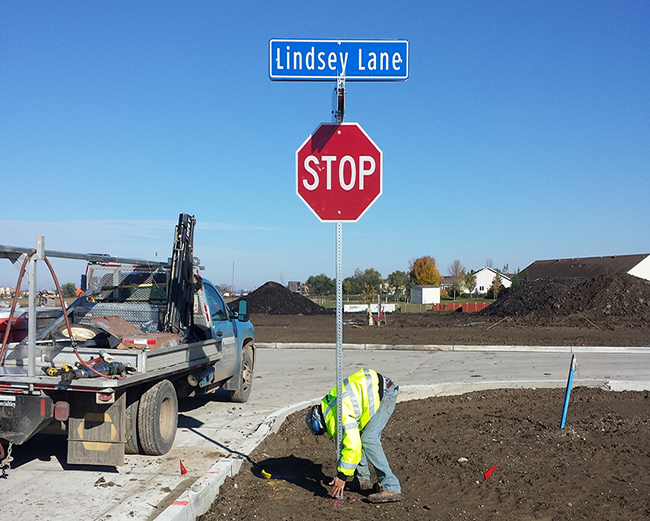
357 485
385 497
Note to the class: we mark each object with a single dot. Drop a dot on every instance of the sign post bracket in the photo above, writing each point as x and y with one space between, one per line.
340 99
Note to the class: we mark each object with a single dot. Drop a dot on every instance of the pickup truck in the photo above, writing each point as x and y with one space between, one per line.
108 372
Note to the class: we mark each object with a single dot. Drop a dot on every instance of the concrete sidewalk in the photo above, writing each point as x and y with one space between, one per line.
214 435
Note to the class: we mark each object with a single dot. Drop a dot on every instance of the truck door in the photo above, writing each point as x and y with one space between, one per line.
224 330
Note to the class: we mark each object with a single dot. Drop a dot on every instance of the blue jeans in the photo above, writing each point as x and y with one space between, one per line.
372 450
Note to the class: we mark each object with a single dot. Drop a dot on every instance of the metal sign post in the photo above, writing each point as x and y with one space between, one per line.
339 169
339 337
340 113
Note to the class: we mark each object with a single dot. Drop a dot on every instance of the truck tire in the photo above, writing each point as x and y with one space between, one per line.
158 419
244 376
132 444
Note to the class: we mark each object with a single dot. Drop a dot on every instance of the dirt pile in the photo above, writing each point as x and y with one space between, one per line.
608 298
597 467
274 299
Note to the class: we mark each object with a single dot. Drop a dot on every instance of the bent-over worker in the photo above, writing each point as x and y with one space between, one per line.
368 400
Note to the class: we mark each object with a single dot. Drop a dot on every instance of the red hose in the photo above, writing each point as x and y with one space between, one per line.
67 322
58 289
63 307
13 306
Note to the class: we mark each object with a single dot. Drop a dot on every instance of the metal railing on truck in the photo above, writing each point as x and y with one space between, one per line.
23 257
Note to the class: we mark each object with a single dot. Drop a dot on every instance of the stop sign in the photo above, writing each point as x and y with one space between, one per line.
339 172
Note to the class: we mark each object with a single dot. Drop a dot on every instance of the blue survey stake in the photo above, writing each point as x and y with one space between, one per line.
320 60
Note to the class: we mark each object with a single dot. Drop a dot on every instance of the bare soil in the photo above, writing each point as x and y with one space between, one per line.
448 329
610 310
597 467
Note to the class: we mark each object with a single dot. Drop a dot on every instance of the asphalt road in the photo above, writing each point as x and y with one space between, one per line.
214 435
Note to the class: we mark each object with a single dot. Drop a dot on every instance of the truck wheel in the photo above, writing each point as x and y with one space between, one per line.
132 444
158 419
244 376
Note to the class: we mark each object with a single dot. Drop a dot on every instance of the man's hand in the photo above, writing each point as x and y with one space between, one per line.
337 487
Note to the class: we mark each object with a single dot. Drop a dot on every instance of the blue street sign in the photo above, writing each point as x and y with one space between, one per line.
360 60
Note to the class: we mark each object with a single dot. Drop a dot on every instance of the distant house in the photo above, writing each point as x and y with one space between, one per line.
425 294
589 267
298 287
485 277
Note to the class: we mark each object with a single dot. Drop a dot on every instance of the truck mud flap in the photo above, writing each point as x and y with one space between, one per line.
96 432
23 415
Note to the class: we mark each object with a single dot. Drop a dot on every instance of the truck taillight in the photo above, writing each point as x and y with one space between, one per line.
61 411
105 397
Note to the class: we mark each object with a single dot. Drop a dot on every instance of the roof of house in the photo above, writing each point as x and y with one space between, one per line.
583 268
446 281
488 268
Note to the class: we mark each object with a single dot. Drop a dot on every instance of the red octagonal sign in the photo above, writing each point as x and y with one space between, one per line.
339 172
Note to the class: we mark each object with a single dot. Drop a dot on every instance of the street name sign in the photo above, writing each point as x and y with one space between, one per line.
355 60
339 172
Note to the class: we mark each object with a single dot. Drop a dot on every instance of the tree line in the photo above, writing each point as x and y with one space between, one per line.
422 271
369 282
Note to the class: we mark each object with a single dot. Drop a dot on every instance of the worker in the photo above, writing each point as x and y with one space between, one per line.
368 402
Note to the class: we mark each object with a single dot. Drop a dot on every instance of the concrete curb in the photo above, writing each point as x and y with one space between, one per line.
437 347
198 498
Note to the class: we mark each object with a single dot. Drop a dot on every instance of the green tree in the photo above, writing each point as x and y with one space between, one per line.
423 271
516 283
351 286
372 278
321 285
398 281
69 289
470 282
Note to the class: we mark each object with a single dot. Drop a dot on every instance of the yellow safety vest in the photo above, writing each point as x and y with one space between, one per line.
360 393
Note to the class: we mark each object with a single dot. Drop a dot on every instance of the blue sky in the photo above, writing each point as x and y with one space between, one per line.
523 133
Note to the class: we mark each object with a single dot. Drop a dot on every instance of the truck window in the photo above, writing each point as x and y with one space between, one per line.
216 304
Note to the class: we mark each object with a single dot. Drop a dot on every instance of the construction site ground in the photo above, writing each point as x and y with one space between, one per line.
610 310
410 329
487 387
443 447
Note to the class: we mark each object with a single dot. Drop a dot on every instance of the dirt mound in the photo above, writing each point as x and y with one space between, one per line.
274 299
541 298
614 297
